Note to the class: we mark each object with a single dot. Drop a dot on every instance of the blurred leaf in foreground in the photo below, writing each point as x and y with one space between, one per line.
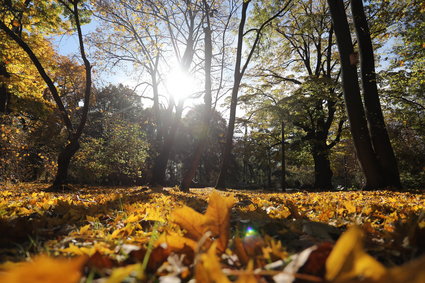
44 269
348 259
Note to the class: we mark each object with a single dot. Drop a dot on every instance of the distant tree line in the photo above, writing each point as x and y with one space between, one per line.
308 105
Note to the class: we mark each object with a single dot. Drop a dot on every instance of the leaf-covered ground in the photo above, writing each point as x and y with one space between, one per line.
139 234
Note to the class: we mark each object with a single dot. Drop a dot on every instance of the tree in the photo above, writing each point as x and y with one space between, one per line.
208 53
304 76
187 140
370 163
401 85
154 32
19 16
239 72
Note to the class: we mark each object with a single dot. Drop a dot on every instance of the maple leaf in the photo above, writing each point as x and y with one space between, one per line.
216 220
348 260
208 268
44 269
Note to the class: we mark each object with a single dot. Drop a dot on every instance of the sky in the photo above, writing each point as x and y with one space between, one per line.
68 45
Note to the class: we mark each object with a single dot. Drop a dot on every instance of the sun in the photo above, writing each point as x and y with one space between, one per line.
180 84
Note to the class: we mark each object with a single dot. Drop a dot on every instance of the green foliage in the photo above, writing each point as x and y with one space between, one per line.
119 156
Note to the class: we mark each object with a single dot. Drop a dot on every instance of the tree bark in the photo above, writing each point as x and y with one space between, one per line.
161 162
283 180
238 74
353 101
64 160
322 166
196 158
4 93
379 135
237 77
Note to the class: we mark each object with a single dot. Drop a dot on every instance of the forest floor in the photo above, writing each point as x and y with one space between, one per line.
141 234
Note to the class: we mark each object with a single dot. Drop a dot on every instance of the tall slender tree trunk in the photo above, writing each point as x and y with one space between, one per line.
226 157
283 180
378 132
237 77
238 74
196 158
353 101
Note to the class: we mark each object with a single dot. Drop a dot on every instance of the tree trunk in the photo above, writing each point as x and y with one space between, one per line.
322 166
196 158
221 182
283 180
158 177
4 93
237 77
353 102
64 160
379 135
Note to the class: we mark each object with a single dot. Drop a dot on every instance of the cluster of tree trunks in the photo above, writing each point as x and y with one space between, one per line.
367 124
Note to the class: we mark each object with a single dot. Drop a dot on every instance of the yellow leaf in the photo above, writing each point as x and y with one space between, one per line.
73 249
350 207
218 211
216 219
132 218
119 274
45 270
190 220
84 230
91 218
208 268
348 259
175 242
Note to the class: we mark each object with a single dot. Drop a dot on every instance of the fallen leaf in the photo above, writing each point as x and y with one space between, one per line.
119 274
190 220
348 260
216 220
208 268
44 269
218 210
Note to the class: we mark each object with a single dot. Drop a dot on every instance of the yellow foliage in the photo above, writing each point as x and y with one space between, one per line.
44 269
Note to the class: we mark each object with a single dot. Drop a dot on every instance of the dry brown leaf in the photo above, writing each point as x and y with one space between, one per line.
44 269
240 251
348 260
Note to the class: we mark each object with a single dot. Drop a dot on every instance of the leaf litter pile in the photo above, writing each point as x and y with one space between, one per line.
141 234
